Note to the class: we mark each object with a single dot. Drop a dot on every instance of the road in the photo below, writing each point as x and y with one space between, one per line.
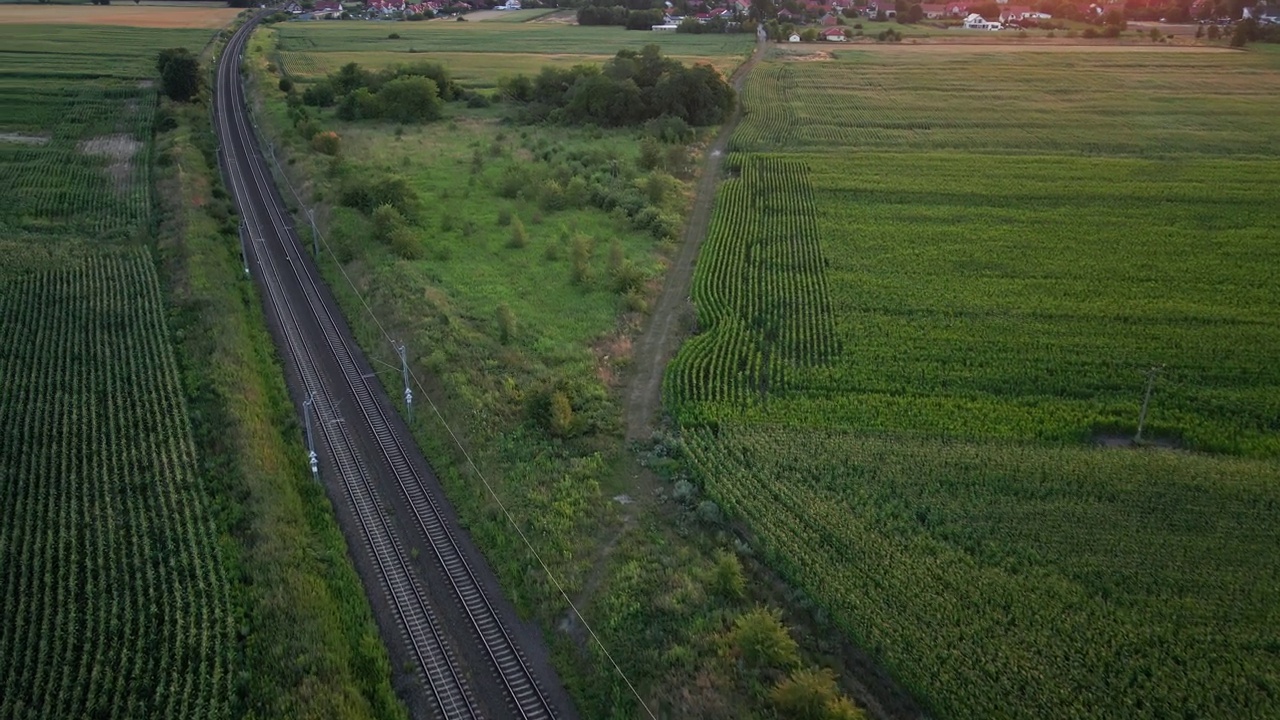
458 648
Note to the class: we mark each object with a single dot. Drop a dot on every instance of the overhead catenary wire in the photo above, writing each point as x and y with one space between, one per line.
453 436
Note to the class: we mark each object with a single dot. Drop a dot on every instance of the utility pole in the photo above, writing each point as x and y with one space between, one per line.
1146 400
311 448
408 394
315 236
244 251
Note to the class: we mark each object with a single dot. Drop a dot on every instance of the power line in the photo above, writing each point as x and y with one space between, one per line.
409 374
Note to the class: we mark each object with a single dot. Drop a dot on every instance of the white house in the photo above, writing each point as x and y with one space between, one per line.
833 34
977 22
794 38
511 5
665 27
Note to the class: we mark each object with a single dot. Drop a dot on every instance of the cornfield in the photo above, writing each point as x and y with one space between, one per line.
115 602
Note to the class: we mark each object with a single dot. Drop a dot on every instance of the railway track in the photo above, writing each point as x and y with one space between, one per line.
363 446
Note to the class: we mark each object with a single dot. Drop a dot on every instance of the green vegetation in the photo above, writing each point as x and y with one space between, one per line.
116 599
920 307
535 251
497 38
163 552
631 88
116 593
309 647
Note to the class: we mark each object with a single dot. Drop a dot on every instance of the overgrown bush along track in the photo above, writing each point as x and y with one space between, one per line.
114 600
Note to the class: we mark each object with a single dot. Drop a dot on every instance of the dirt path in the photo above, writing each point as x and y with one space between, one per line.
661 338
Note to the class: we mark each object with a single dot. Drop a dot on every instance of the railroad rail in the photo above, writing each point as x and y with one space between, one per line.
364 447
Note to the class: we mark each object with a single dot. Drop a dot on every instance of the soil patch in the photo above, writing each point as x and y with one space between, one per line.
819 56
1115 440
22 139
119 149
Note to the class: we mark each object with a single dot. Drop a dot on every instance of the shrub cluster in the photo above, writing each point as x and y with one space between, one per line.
408 93
631 88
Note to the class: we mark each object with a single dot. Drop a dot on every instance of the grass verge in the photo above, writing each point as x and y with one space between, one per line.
308 646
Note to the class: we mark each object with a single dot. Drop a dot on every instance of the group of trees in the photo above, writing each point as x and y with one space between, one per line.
407 94
631 88
179 74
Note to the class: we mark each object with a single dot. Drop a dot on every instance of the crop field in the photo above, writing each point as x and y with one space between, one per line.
76 110
113 587
113 593
929 303
537 38
148 16
1131 103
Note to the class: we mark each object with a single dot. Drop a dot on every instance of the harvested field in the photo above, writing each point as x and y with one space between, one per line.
155 16
1037 45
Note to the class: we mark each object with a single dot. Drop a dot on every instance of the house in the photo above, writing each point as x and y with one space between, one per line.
829 20
511 5
665 27
293 8
327 9
957 10
1010 13
794 38
977 22
833 34
934 11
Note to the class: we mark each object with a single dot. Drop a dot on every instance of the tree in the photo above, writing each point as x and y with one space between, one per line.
410 99
762 10
914 14
1214 32
179 73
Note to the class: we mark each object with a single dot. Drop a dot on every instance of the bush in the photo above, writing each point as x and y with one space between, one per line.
506 324
393 36
326 142
519 238
763 642
286 85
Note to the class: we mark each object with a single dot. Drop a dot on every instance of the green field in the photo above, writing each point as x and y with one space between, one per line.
484 37
115 597
162 551
599 222
480 54
80 98
926 296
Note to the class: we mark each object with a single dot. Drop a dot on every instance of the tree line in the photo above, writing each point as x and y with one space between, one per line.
408 93
631 88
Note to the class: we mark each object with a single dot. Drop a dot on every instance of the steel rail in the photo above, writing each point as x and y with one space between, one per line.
418 623
524 695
